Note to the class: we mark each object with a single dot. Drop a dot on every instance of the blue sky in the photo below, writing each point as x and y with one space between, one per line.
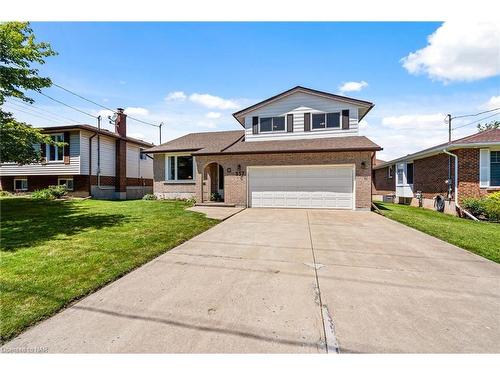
215 68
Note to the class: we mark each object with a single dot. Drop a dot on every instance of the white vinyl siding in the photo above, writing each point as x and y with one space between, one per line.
484 167
52 168
301 186
298 104
138 167
108 154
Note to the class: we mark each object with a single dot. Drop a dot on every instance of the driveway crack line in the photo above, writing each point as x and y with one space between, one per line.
331 342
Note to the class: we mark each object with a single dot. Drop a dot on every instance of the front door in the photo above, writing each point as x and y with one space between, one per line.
220 179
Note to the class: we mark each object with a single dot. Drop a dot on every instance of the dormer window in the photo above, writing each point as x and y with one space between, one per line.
272 124
325 120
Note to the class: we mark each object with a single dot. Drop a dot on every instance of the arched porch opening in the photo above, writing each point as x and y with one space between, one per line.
213 183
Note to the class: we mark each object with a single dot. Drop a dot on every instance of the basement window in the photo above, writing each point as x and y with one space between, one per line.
21 184
68 182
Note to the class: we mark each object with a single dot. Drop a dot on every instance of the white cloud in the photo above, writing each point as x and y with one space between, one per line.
494 102
458 51
363 124
426 121
353 86
176 95
136 111
213 115
212 101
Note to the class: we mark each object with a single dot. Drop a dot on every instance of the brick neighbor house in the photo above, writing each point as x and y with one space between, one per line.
94 162
426 172
300 148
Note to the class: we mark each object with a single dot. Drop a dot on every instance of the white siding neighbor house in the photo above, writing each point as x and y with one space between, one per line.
93 162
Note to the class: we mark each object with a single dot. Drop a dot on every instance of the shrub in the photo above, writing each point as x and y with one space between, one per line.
474 205
4 193
487 207
42 195
149 197
215 197
52 192
191 202
492 206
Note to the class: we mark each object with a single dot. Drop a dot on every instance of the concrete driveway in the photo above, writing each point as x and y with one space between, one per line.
272 280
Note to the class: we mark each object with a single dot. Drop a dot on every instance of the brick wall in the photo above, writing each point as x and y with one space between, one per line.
235 186
169 190
382 184
430 175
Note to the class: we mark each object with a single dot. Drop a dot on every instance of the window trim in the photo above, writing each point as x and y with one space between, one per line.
66 179
20 179
47 150
325 114
272 125
489 167
176 180
390 171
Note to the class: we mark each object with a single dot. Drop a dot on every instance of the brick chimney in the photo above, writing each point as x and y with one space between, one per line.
121 155
121 122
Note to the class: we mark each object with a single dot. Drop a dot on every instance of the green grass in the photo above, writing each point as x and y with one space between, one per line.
53 252
481 238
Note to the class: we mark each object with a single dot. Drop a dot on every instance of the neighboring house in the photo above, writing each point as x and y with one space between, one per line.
99 163
300 148
426 171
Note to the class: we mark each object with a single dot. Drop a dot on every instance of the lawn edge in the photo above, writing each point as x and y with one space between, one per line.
81 297
440 239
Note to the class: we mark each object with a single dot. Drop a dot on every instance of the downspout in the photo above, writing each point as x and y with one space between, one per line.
90 163
456 186
99 156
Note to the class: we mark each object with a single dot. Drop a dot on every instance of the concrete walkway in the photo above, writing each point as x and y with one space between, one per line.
311 281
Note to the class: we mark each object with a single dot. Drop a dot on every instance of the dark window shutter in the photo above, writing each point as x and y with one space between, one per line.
255 125
43 150
66 147
289 123
307 122
345 119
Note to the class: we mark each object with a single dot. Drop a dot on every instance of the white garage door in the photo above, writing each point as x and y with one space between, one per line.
301 186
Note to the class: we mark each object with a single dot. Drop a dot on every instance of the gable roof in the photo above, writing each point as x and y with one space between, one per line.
95 130
233 142
361 103
484 138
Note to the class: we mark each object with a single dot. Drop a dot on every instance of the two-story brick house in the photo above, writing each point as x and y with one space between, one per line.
431 172
300 148
93 162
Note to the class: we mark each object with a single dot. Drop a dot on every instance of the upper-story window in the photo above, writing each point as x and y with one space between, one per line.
325 120
272 124
54 152
142 155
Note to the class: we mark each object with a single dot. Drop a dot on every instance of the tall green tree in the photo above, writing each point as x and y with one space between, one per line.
495 124
19 52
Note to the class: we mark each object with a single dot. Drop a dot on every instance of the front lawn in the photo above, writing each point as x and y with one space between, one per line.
53 252
481 238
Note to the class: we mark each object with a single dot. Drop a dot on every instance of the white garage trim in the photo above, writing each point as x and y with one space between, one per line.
352 167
